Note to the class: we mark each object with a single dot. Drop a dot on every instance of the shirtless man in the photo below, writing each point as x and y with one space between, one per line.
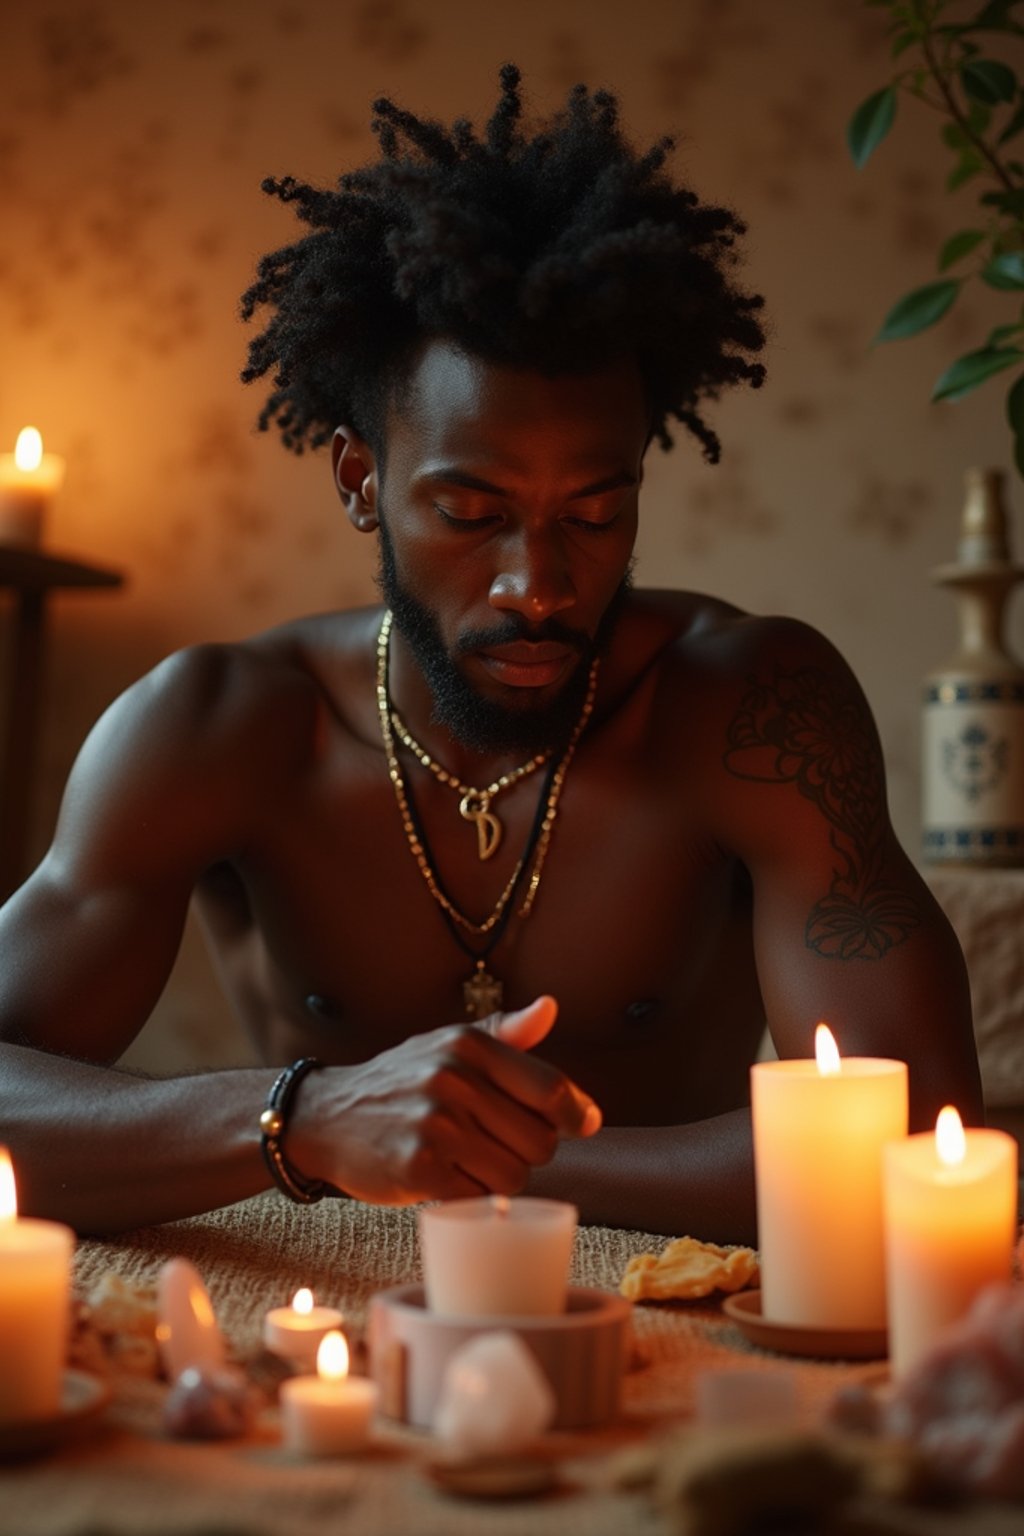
618 830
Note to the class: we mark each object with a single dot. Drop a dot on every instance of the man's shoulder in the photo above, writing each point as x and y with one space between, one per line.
691 635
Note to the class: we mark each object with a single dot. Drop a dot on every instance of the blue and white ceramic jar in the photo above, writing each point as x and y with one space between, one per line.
973 717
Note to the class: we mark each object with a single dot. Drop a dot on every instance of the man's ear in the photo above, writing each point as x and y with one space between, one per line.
355 475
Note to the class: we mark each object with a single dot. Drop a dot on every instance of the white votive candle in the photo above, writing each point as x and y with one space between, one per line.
950 1223
35 1300
296 1332
328 1414
29 479
495 1257
819 1129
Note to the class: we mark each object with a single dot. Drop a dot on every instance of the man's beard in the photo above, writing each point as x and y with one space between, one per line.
482 724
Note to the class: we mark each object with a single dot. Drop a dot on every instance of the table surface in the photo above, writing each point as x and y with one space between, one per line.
126 1478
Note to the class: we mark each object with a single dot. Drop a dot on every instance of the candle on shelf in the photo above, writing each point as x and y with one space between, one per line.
295 1332
186 1330
29 479
35 1300
495 1257
950 1223
327 1414
819 1129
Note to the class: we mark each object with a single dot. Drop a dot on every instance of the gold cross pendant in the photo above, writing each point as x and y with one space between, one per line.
481 994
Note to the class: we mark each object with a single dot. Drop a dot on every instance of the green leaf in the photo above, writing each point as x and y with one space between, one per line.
901 43
1011 202
967 166
973 369
1005 272
1013 127
1003 333
1018 454
960 245
1015 407
995 17
870 123
988 80
918 310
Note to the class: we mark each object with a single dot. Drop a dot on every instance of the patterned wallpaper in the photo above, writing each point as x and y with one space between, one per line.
132 143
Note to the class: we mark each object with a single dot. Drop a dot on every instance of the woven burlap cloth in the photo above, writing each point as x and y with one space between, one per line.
125 1477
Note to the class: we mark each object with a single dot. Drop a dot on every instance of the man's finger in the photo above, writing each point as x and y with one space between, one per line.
528 1026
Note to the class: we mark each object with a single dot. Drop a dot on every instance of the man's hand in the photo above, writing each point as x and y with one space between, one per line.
459 1111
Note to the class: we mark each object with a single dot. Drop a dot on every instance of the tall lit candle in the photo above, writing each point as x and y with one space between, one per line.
295 1333
819 1129
35 1300
950 1221
29 480
328 1414
495 1257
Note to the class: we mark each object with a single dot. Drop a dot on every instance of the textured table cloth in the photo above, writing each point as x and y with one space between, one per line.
126 1478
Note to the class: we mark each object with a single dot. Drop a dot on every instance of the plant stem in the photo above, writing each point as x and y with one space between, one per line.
958 115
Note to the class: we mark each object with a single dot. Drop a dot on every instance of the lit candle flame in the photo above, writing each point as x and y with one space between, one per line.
8 1191
303 1301
950 1141
332 1357
826 1052
28 450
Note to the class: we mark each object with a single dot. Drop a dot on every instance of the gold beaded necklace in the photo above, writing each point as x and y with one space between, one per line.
482 992
475 804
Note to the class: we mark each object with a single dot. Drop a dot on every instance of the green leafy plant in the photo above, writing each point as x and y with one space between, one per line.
944 55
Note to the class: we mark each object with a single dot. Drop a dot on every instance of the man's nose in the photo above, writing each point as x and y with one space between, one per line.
533 578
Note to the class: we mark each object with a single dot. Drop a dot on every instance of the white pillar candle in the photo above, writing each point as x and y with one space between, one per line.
295 1332
950 1223
819 1130
29 479
495 1257
186 1330
35 1301
327 1414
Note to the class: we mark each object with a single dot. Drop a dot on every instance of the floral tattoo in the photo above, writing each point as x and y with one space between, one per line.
800 729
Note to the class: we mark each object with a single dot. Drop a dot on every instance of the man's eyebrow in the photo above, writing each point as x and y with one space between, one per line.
444 475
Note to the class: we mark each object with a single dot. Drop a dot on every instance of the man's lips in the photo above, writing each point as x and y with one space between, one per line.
527 663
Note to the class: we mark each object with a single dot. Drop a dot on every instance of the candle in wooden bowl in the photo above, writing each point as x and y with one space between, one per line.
495 1257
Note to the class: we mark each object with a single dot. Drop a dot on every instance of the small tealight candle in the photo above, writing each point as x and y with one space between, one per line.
327 1414
495 1257
35 1300
950 1223
29 479
819 1129
295 1333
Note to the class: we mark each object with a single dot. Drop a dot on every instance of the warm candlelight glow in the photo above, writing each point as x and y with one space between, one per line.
950 1141
8 1193
332 1357
500 1205
826 1052
28 450
302 1301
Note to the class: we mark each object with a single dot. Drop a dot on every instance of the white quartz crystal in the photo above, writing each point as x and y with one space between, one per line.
494 1399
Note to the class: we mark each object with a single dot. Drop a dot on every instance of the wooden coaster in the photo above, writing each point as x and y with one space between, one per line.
494 1477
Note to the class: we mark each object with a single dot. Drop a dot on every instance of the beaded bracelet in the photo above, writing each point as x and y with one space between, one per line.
273 1123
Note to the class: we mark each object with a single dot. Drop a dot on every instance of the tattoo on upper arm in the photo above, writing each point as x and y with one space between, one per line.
802 728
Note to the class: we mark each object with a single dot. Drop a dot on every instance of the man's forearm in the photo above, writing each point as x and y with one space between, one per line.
695 1180
106 1151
